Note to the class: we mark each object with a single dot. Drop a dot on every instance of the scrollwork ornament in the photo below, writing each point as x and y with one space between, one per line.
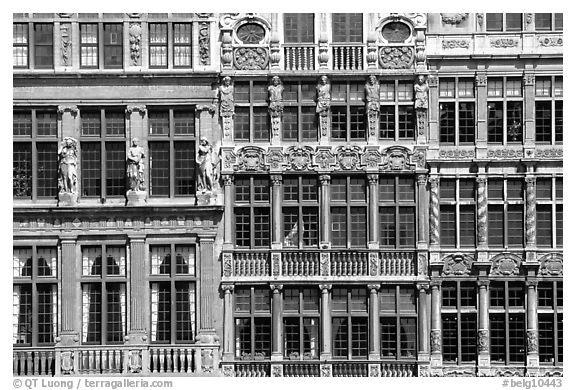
483 341
397 57
532 340
227 264
505 264
66 43
324 264
455 18
348 157
250 58
373 265
457 264
300 157
228 370
551 264
435 341
135 37
204 42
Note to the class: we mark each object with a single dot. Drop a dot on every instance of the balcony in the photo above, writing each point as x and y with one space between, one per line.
33 362
299 57
347 57
315 265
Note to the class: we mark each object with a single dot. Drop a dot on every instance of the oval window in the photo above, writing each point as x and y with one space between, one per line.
396 32
251 33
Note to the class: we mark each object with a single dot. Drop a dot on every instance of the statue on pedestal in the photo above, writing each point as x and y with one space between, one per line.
275 96
207 175
67 166
323 96
135 167
226 97
421 93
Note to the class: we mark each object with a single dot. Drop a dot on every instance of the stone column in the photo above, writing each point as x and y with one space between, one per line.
326 352
433 137
206 291
422 211
70 307
434 212
374 327
529 110
276 211
482 112
139 313
373 214
228 351
325 211
532 358
228 209
423 327
530 212
436 322
482 212
483 327
277 344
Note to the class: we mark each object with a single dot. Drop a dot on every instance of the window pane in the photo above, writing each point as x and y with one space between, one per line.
22 123
22 314
184 161
115 168
448 226
449 337
347 27
544 225
357 189
184 122
515 225
466 122
386 188
494 22
22 169
447 123
387 122
113 43
161 305
43 41
115 123
47 302
242 226
92 313
388 337
514 22
495 122
159 122
468 336
298 28
543 22
516 337
467 225
340 337
159 168
406 122
358 229
242 124
388 226
448 189
359 337
116 306
47 169
261 226
47 123
407 226
495 225
408 337
514 121
408 299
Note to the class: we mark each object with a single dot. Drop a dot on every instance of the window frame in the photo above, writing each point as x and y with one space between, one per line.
300 20
555 97
352 108
301 205
397 204
302 314
398 314
349 204
505 201
252 205
504 22
556 312
349 314
457 204
174 278
506 101
457 100
299 105
251 105
24 45
552 203
151 45
38 45
399 104
347 27
252 315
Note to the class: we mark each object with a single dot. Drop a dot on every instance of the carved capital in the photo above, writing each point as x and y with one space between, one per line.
141 108
528 79
481 80
530 181
422 286
276 288
276 179
483 283
227 288
228 180
372 179
211 108
422 179
433 180
325 179
435 284
325 287
531 283
73 109
373 287
481 181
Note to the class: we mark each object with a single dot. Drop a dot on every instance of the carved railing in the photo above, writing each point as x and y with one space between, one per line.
302 369
252 369
251 264
171 360
396 369
33 362
350 369
397 264
347 57
300 264
100 360
299 57
349 264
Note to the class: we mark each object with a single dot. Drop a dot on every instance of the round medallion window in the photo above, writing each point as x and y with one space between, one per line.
396 32
251 33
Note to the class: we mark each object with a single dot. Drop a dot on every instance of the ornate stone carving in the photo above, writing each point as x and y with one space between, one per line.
300 157
421 104
323 55
530 211
372 50
277 371
419 158
505 264
508 372
551 264
227 264
204 42
503 43
67 362
529 78
226 53
276 104
323 103
453 19
372 95
325 370
135 166
67 166
324 264
226 92
251 158
435 341
482 209
422 264
228 180
275 158
324 159
457 264
371 159
459 372
348 157
68 108
228 370
396 57
66 43
481 80
455 44
276 260
480 19
374 370
549 153
396 158
456 154
434 211
250 58
505 153
483 341
229 159
141 108
373 263
532 340
529 18
276 179
135 37
275 55
134 361
227 288
207 167
550 41
207 359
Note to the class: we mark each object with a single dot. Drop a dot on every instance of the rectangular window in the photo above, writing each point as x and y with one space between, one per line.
300 220
457 111
301 323
20 45
182 45
459 322
543 22
347 28
298 28
494 22
397 211
252 212
348 211
158 35
253 323
89 45
251 118
43 46
350 323
113 44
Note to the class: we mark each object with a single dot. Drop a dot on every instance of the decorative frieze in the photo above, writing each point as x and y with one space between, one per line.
455 44
504 43
456 154
549 153
396 158
550 41
371 159
275 159
502 154
250 58
454 19
348 157
324 158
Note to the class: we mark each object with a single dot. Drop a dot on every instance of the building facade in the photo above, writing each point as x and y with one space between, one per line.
288 194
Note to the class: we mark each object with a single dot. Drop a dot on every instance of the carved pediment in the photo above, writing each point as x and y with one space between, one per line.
251 158
457 264
506 264
300 157
397 158
552 264
348 157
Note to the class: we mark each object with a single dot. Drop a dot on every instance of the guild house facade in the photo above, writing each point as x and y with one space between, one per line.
313 194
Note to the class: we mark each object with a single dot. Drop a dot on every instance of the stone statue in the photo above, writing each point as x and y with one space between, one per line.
275 97
67 165
207 174
323 96
135 167
421 93
372 90
226 97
